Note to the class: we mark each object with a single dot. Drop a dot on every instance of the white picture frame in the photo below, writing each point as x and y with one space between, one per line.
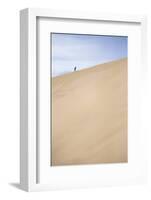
29 113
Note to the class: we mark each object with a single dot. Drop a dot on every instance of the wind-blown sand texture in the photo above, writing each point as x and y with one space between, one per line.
89 115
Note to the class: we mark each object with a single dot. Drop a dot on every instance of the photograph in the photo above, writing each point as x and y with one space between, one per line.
89 99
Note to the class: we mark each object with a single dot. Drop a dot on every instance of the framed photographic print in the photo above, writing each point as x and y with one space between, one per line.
82 79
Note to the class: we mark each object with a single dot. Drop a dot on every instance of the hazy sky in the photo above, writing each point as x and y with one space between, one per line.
83 51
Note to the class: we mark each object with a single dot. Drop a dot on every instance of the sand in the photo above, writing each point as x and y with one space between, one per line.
89 115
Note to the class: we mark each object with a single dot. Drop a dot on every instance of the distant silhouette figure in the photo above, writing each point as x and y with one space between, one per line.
75 68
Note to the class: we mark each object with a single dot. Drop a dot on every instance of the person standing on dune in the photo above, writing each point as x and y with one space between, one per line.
75 69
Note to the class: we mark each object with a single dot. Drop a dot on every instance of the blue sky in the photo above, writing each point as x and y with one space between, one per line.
83 51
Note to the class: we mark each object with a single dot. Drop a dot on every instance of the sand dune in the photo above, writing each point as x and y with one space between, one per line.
89 115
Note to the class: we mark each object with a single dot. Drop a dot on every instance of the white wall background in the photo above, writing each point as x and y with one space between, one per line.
9 97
